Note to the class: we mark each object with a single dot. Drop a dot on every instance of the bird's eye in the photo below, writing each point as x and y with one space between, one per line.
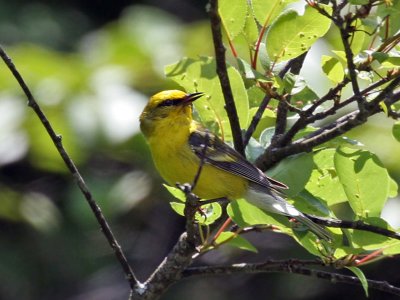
168 103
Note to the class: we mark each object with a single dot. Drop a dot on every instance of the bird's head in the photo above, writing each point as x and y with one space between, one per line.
170 105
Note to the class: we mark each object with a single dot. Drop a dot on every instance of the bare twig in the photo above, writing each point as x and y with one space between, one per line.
256 119
294 66
359 225
289 266
57 140
223 76
202 160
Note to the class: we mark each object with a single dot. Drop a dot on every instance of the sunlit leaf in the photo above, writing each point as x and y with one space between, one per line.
396 131
177 193
393 188
236 241
324 182
233 16
364 179
250 30
266 11
245 214
332 68
291 34
267 120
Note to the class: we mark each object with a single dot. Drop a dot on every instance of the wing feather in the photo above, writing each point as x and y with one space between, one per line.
222 156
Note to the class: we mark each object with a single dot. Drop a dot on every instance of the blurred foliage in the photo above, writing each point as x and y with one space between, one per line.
93 93
92 96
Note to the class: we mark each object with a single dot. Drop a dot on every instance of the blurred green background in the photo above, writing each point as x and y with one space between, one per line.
92 65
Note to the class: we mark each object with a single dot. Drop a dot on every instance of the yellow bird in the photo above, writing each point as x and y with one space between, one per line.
178 144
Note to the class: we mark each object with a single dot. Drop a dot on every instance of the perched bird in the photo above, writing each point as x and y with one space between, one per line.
179 144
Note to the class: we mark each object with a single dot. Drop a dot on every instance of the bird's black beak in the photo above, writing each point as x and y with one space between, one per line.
192 97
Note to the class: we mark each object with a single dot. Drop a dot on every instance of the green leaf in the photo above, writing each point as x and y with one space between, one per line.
341 55
391 62
358 37
265 11
200 75
332 68
294 171
396 131
324 182
291 34
302 92
393 188
233 16
245 214
361 277
236 241
177 193
255 95
364 179
369 240
209 212
308 203
309 241
358 2
248 72
267 120
393 13
253 150
250 31
266 136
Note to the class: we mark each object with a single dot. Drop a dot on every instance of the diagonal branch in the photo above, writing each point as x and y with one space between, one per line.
223 76
256 119
331 130
57 140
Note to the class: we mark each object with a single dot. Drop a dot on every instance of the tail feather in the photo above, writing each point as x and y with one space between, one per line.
271 202
318 230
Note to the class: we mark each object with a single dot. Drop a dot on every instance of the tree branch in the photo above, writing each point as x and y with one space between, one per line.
168 272
288 266
223 76
332 130
359 225
57 140
256 119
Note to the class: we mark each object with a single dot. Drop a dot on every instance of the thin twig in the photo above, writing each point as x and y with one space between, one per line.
202 160
359 225
294 66
256 119
57 140
223 76
345 29
332 130
289 266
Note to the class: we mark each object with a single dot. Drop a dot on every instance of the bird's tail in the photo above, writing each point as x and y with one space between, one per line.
271 202
318 230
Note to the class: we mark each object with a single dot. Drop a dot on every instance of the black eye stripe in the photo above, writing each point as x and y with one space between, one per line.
170 102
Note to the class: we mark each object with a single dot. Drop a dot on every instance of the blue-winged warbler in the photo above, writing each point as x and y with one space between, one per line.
178 145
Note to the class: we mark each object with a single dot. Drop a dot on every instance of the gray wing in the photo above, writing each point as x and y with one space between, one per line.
222 156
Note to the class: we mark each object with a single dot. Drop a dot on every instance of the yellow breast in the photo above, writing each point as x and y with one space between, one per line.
176 162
